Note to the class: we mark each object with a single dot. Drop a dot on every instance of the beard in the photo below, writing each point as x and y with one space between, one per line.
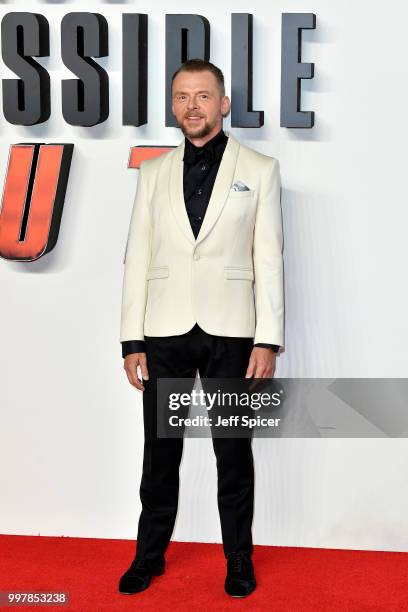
195 131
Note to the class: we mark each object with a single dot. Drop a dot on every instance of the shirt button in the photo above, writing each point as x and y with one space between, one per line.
198 218
199 191
196 256
204 167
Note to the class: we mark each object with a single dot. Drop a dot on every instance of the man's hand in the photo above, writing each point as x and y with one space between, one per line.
131 362
262 364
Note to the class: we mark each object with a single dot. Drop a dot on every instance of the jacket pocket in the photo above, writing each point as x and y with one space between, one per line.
239 272
157 272
241 195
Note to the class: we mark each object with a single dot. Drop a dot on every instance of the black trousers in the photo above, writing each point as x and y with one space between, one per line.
180 357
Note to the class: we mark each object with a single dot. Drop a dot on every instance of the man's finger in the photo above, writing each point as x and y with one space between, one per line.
250 369
144 370
135 380
261 372
132 378
256 382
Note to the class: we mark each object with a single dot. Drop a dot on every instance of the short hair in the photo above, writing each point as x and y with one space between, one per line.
197 64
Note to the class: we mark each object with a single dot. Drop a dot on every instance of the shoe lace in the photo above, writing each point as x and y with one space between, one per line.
236 560
140 564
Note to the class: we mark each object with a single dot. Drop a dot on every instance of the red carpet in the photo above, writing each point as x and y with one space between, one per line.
289 579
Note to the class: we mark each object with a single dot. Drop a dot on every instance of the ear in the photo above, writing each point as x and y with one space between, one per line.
225 106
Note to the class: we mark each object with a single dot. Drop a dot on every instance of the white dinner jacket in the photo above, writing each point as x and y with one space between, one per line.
230 279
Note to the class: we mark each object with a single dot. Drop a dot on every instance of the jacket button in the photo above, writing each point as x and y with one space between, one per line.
196 256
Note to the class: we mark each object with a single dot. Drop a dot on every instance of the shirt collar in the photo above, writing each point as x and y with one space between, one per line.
210 151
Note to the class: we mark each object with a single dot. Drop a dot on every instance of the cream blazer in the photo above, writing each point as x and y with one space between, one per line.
230 279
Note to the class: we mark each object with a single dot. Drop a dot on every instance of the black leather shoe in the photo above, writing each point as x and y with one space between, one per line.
240 580
137 578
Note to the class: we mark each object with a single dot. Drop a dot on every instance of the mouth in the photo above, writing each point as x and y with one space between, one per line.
193 118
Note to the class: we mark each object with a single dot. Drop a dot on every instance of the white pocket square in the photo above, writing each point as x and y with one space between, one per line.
239 186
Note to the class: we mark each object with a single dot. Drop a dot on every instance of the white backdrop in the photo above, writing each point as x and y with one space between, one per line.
71 425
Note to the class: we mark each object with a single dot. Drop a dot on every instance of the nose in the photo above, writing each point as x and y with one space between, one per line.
192 103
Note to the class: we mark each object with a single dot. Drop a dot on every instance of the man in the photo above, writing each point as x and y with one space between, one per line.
202 290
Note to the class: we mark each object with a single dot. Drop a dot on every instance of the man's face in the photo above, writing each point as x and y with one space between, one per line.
197 103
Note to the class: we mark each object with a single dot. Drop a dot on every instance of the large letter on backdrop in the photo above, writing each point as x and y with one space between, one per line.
134 65
26 101
242 114
33 199
293 70
86 101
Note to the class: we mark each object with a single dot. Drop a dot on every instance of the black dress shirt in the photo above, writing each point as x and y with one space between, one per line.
200 171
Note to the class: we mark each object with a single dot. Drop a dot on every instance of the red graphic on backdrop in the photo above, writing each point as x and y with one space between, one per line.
141 152
33 199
